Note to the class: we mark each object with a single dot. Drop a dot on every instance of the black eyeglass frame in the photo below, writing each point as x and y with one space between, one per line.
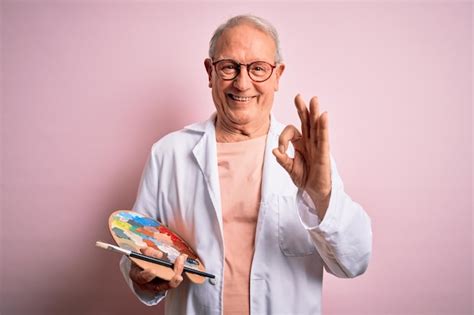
239 68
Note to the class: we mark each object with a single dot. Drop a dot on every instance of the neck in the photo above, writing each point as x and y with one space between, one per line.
226 133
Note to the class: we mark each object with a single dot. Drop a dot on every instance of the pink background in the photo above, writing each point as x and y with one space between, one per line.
88 87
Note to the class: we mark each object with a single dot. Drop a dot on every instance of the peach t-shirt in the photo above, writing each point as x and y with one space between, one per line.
240 173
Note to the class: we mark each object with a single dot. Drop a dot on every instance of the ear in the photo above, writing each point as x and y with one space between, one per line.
208 65
279 71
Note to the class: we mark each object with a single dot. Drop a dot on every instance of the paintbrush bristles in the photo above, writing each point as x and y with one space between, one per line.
102 245
113 248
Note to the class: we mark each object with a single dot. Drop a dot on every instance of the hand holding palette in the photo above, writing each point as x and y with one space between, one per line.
132 231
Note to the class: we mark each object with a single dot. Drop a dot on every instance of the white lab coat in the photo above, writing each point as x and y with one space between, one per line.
180 187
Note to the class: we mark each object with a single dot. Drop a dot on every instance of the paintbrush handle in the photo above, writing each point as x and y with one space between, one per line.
169 264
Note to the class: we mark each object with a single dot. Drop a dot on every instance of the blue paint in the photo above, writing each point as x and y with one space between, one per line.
145 221
120 233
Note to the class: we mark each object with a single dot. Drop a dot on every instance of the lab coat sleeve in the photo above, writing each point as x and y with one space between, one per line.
147 199
343 238
146 203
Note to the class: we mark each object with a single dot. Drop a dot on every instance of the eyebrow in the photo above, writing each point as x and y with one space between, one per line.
228 58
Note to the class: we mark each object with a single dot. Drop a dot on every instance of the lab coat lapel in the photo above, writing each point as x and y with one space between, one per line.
273 182
273 178
205 153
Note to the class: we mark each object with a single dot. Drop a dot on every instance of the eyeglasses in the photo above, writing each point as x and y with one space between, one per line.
228 69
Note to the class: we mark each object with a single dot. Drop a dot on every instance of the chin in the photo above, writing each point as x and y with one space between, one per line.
241 119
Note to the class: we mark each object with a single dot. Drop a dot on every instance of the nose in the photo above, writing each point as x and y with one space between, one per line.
242 82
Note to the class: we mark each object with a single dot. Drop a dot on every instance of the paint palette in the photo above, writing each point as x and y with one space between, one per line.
132 231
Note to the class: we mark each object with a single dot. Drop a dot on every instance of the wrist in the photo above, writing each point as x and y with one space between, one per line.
320 201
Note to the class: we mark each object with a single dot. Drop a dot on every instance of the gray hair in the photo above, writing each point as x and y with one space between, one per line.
255 21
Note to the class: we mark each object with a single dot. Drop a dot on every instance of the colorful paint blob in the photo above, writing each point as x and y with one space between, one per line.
131 228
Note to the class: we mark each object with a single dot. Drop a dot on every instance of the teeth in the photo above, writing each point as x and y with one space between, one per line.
240 98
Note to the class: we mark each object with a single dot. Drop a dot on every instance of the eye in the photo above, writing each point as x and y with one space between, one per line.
259 67
229 66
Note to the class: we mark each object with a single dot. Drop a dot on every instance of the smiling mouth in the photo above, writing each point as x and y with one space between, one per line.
242 99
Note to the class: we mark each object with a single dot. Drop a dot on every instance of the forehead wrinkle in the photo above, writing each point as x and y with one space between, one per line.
245 46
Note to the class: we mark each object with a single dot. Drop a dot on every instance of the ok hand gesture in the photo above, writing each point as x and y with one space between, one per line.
310 169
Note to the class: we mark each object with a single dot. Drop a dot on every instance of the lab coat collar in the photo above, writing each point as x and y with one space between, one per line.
209 125
204 126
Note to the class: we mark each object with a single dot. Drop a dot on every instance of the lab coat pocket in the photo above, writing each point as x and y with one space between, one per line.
293 238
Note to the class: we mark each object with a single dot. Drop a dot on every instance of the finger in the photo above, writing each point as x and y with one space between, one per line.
178 270
323 134
139 275
179 264
303 114
150 251
290 133
145 276
175 281
158 285
284 160
314 118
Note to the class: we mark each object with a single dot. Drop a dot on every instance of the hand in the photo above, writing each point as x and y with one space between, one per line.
310 169
146 279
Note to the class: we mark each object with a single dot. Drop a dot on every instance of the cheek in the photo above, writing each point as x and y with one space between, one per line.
220 88
267 90
218 93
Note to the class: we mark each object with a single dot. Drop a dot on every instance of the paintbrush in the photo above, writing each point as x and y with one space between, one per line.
154 260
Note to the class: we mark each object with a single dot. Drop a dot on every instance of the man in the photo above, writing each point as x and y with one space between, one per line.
262 204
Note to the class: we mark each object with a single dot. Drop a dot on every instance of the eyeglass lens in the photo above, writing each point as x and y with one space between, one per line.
258 70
